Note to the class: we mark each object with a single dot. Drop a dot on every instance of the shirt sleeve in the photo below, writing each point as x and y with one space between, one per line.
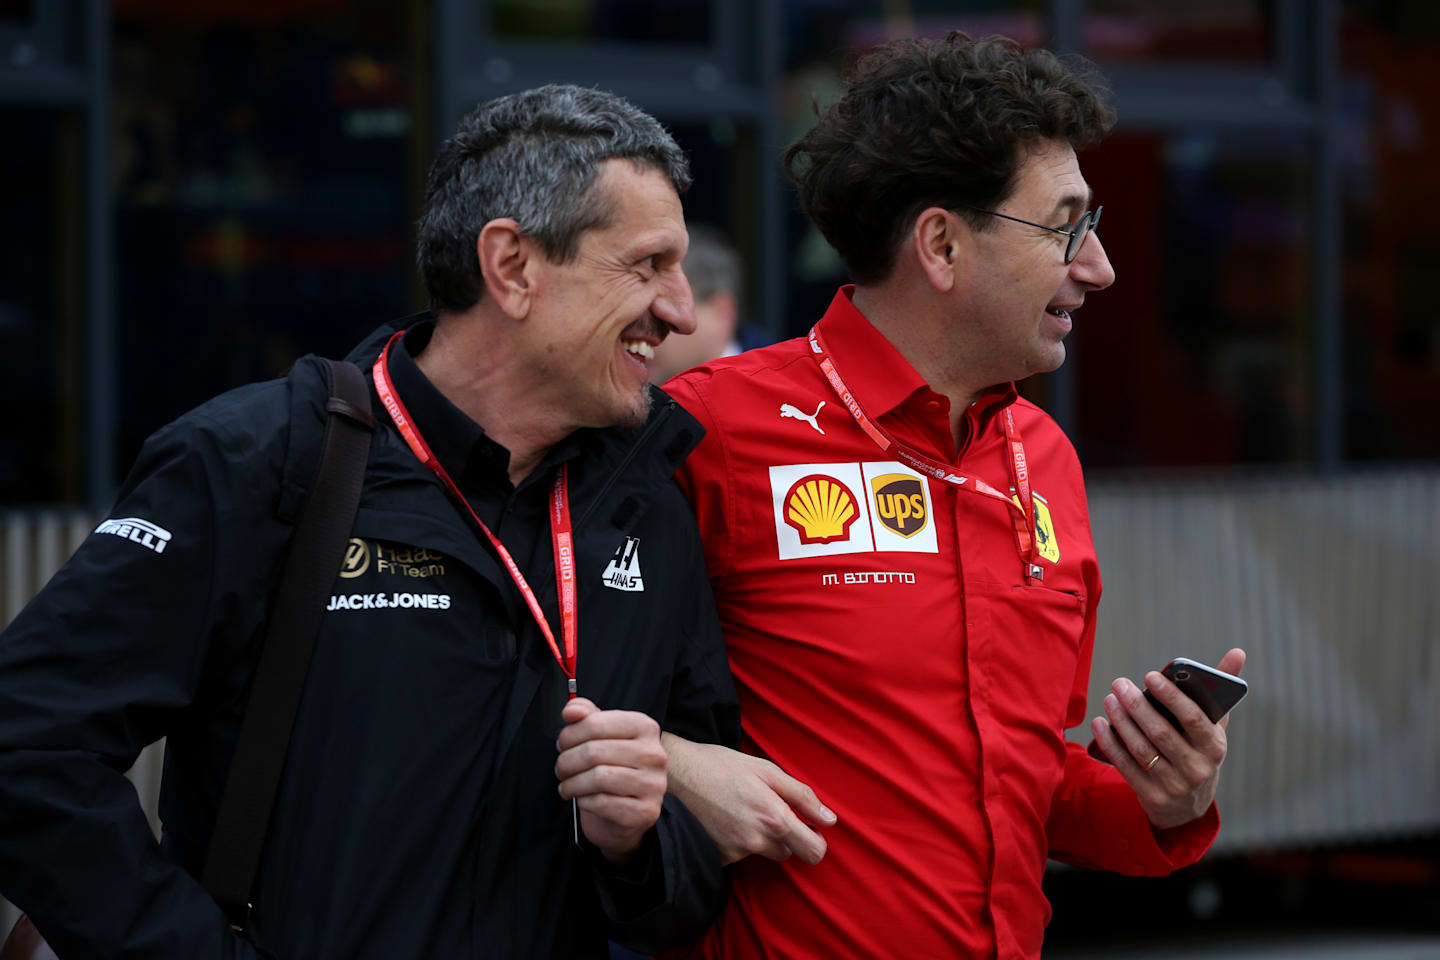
91 671
1096 820
703 476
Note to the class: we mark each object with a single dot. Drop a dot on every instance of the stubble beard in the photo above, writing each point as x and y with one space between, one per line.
636 413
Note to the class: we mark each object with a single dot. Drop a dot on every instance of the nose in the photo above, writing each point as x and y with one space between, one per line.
675 304
1091 267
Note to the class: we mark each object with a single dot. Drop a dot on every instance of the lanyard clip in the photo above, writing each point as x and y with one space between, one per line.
1035 572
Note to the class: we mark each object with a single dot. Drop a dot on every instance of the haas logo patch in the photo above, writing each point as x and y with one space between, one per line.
623 570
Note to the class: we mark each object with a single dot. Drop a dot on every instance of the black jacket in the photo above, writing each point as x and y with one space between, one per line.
418 814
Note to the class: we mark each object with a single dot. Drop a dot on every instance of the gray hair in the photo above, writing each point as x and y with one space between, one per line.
712 264
532 156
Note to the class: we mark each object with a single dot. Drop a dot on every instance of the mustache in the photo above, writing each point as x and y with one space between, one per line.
646 328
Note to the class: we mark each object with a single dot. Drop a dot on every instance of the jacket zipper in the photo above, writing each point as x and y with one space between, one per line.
650 428
547 588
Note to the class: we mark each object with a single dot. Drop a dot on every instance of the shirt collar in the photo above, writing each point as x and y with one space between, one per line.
870 365
878 373
472 459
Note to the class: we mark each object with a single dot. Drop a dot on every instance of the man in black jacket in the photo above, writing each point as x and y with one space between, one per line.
424 810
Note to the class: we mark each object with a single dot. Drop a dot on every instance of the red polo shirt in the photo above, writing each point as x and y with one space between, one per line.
889 652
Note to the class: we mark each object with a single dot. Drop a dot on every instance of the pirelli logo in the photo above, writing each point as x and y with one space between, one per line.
827 509
143 532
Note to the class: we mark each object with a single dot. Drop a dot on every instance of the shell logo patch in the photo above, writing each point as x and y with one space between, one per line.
825 509
900 503
817 513
821 508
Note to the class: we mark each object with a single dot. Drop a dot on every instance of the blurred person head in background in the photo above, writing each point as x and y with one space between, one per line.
713 267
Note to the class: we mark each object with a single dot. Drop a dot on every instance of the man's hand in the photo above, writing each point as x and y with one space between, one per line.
1174 778
611 761
746 804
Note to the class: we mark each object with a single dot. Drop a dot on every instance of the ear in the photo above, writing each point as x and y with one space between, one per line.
938 246
506 264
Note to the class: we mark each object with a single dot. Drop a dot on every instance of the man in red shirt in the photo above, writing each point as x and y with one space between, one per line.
900 546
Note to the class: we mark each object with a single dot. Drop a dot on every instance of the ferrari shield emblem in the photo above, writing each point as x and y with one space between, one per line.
1046 543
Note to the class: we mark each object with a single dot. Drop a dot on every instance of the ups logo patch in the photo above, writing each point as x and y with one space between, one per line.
900 503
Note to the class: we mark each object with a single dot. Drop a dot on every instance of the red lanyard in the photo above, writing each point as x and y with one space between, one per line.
1019 471
560 536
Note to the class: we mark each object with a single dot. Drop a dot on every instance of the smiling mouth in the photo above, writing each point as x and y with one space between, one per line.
1058 312
639 348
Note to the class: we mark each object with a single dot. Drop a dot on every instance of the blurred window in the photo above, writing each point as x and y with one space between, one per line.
1390 139
14 12
42 307
1203 350
668 22
822 30
1165 31
267 161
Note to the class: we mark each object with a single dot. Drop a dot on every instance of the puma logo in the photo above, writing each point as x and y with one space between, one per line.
790 410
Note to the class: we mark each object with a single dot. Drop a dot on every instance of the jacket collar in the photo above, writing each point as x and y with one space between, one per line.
643 457
471 458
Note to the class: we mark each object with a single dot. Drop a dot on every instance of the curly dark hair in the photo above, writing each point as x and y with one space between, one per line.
934 123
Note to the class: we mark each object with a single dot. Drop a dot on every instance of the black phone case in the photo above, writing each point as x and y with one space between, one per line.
1214 695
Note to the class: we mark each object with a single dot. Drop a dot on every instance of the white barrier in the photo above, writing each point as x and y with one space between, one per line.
1332 585
35 544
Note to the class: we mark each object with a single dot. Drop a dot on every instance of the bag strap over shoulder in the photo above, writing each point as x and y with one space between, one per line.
308 575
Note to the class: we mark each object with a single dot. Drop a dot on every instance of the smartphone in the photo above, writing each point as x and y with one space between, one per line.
1214 691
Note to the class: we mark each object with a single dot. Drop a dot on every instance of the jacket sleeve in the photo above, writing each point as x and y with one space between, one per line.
1096 820
95 668
686 884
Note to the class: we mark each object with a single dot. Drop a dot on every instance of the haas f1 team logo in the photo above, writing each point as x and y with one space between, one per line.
357 559
623 570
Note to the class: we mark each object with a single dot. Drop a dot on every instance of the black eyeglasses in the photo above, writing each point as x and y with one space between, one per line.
1089 220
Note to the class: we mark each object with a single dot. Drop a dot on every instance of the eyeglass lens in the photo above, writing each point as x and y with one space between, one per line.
1089 221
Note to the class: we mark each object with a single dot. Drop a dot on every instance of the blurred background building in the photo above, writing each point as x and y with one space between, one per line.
198 193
